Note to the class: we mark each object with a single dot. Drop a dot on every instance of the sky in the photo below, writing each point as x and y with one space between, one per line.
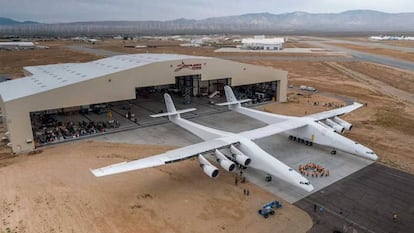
53 11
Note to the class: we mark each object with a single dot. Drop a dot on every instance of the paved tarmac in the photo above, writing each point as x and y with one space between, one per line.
99 52
289 152
290 58
357 56
367 200
363 56
373 44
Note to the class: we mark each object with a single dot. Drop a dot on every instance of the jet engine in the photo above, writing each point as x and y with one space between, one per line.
325 125
335 126
224 162
208 169
343 123
239 156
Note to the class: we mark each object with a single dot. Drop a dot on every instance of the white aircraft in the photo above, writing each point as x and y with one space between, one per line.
229 149
321 128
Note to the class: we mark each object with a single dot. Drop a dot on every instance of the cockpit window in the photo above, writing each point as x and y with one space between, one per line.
307 183
290 169
370 152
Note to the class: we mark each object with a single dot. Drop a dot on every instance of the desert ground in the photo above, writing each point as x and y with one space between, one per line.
12 62
53 191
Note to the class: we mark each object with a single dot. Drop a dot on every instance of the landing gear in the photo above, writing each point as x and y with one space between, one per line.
333 152
300 140
268 178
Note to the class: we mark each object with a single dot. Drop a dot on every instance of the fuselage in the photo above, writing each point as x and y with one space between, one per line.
321 135
260 159
312 131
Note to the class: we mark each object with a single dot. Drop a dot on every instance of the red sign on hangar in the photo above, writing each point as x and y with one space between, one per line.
195 66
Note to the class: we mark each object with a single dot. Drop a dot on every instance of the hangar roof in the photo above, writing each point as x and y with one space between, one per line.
17 43
276 40
48 77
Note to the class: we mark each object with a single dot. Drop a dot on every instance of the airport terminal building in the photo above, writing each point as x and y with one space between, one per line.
28 105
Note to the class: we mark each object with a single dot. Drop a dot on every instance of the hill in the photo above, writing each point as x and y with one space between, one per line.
296 22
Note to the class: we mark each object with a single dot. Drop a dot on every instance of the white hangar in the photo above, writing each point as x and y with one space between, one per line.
116 78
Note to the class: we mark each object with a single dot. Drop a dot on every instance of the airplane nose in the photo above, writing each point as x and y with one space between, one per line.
306 185
374 157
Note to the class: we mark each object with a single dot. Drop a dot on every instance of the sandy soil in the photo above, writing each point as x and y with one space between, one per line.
403 80
54 191
12 62
172 47
380 51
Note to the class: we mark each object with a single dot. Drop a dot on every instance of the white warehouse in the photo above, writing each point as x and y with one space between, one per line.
261 43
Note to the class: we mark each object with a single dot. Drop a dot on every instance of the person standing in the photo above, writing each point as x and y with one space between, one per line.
394 217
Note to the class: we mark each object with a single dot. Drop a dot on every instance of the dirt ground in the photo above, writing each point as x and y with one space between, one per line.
54 191
173 47
380 51
402 80
12 62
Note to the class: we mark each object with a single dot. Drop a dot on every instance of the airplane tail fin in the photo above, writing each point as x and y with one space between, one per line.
171 111
231 99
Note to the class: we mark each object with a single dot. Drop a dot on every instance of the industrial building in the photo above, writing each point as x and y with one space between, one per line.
16 45
262 43
65 88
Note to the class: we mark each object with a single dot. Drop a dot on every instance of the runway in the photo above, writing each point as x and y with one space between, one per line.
363 56
367 198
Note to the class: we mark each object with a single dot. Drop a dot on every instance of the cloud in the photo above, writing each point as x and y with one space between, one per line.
91 10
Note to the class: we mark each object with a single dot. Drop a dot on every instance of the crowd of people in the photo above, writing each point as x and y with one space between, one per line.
314 170
50 130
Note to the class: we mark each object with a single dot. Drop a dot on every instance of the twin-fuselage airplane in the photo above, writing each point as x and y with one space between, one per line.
232 149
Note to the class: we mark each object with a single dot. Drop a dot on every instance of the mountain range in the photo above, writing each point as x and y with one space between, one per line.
8 21
295 22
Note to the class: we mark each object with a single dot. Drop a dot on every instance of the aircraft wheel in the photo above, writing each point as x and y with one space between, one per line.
310 143
272 212
333 152
307 143
290 137
260 212
266 215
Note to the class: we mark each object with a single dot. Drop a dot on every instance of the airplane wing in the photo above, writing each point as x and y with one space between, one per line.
171 156
273 129
335 112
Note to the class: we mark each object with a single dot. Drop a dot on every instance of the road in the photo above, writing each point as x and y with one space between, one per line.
363 56
290 58
367 200
372 44
99 52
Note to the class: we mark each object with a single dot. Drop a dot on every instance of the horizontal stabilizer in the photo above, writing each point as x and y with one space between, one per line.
234 102
99 172
173 113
